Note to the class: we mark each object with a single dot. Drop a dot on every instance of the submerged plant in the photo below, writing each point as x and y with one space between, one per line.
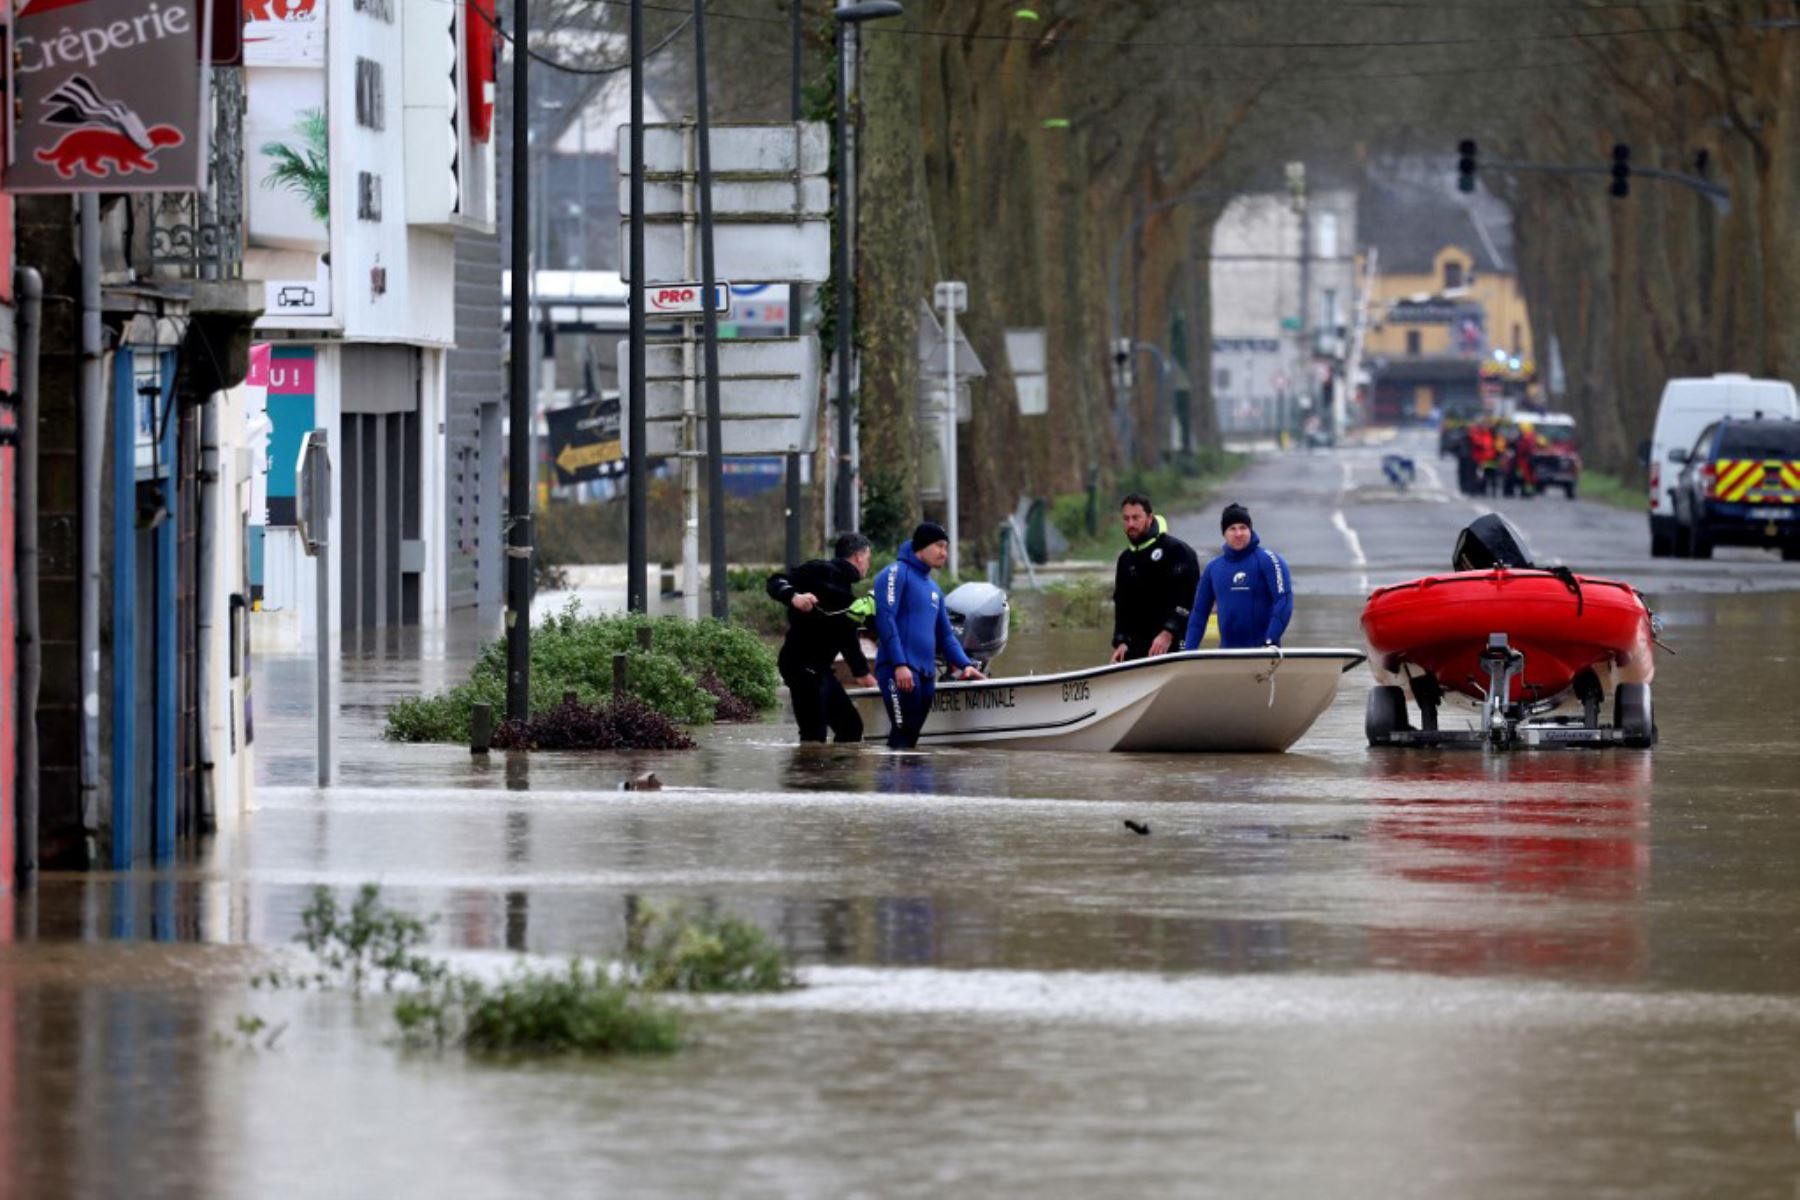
705 954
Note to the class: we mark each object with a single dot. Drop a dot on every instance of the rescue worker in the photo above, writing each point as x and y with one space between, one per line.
821 624
914 629
1251 585
1153 585
1481 456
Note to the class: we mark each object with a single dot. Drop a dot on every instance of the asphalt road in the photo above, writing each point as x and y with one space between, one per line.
1344 528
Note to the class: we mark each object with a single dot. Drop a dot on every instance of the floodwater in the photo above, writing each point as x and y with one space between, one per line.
1336 972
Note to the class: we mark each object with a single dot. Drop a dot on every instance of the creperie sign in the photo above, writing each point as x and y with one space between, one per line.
685 299
86 47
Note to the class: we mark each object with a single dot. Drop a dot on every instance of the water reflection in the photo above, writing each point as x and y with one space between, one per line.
1554 847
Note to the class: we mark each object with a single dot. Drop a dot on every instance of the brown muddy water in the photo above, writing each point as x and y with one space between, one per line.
1333 972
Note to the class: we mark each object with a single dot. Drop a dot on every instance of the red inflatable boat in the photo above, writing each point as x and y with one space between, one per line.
1559 623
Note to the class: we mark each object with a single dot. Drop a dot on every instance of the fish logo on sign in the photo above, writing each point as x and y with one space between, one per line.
108 138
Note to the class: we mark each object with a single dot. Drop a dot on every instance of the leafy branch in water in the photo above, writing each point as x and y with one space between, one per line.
587 1008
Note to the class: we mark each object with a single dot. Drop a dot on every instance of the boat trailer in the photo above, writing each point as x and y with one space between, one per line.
1511 725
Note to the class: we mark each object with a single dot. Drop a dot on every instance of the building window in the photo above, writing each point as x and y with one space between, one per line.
368 196
1328 236
1453 275
1331 320
1412 341
1222 379
1518 340
369 98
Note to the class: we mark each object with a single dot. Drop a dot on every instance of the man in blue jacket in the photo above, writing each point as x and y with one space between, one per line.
1251 585
914 629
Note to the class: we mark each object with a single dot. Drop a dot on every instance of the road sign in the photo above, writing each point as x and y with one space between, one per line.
768 395
108 97
685 299
783 251
749 149
584 439
771 201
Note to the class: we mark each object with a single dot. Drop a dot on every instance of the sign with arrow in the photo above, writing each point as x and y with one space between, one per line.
584 440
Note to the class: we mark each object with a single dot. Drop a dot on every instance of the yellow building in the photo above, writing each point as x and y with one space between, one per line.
1415 313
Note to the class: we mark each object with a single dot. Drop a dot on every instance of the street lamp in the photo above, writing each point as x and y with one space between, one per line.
844 491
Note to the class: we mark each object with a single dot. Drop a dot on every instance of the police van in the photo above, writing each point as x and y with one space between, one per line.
1687 407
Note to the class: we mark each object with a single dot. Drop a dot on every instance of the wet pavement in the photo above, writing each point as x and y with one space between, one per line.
1337 971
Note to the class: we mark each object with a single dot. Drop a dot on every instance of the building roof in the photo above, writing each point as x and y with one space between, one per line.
1410 210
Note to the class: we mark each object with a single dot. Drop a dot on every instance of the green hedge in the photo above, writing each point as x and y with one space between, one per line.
571 652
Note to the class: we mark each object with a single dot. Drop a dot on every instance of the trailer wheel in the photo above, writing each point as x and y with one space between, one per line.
1385 713
1633 716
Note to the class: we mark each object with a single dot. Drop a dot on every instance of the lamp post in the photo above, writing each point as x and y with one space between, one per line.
844 483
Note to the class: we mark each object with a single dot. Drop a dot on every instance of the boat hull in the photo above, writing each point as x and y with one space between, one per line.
1198 701
1441 624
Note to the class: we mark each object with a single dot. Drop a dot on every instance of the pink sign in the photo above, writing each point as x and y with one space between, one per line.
291 376
259 366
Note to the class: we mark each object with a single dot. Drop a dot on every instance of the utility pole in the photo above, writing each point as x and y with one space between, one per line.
1296 178
715 437
637 589
843 507
952 297
519 539
792 472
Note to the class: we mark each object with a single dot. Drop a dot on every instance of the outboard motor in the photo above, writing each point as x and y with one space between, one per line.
979 613
1488 542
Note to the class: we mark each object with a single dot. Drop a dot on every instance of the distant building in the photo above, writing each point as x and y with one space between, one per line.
1283 286
1448 326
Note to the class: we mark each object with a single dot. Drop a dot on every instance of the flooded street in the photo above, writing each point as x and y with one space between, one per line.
1338 971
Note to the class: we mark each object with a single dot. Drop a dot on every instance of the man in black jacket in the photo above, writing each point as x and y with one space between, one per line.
818 596
1154 588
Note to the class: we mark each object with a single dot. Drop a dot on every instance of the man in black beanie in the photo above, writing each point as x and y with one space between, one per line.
914 629
1251 585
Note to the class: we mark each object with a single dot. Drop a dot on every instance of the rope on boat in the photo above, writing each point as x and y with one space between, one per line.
1269 675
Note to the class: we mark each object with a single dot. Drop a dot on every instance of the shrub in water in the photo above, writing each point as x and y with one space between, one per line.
706 954
582 1010
574 653
625 724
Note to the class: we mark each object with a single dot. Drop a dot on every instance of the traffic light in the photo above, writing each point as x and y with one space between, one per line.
1465 166
1621 170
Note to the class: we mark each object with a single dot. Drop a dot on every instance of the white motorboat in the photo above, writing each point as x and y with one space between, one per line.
1189 702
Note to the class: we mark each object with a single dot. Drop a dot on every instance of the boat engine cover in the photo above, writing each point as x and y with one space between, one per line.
1490 541
979 613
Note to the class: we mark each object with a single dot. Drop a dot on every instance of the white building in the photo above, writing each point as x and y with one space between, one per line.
370 197
1283 285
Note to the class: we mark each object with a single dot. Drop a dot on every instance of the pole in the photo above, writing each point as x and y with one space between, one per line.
792 471
844 482
950 492
715 445
518 542
1306 365
93 455
30 289
637 590
321 491
690 412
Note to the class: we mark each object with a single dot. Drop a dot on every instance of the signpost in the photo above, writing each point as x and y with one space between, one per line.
768 209
952 297
110 96
312 518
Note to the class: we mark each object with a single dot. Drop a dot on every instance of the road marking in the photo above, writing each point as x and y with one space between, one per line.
1355 543
1432 477
1349 476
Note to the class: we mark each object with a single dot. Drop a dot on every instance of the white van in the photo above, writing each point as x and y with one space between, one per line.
1689 406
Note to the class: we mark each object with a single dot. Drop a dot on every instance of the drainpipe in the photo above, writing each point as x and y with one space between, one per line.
92 396
203 605
30 289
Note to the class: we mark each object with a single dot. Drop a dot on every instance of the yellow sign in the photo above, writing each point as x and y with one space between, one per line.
575 458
